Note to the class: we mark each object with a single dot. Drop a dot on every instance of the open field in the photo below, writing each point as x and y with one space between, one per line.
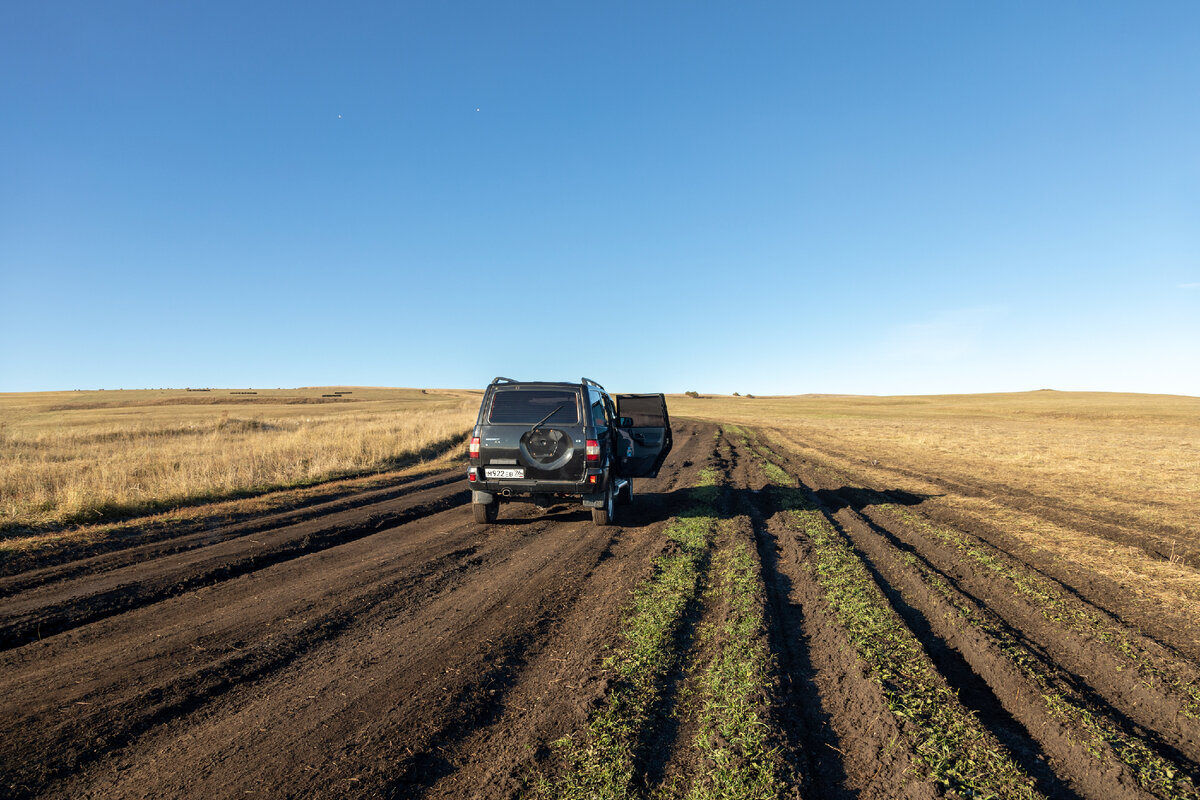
73 457
1103 488
818 598
1129 459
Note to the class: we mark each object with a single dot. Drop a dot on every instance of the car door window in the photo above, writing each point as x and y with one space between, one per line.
598 414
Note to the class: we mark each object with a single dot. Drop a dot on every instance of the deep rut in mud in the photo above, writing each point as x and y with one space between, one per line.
384 645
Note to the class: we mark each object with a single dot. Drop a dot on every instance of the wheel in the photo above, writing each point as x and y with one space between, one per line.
605 514
485 513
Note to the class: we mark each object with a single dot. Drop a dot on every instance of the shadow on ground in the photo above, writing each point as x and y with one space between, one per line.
652 508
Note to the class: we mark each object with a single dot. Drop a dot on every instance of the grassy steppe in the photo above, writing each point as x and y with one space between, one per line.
75 457
877 597
1132 455
1105 482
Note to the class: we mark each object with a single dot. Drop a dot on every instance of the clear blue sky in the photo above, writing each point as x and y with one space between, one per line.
882 198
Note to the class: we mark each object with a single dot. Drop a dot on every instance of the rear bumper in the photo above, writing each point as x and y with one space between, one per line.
484 491
594 500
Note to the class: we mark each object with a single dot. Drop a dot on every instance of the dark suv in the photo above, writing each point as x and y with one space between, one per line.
544 442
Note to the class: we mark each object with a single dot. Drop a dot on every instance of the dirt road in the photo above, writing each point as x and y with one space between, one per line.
385 645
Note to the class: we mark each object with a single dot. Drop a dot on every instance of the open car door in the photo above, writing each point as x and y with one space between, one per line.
650 432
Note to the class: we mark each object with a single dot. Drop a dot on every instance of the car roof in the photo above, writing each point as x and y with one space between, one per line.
537 385
585 383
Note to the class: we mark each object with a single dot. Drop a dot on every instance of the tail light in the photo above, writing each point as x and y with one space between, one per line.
593 450
473 450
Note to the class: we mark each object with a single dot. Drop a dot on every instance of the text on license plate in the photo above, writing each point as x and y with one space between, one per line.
492 472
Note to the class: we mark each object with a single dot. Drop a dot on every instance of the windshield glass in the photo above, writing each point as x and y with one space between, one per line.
528 406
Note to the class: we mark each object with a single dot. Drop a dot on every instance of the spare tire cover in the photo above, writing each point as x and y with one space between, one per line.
546 448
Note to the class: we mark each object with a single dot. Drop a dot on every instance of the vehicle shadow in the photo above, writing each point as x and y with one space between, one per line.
653 508
526 513
856 498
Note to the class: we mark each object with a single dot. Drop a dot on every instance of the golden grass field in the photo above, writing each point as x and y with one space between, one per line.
1124 454
75 457
1107 482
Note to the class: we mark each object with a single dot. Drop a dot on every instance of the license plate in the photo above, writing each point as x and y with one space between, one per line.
492 472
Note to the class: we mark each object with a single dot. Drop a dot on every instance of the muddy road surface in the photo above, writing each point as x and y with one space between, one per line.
385 645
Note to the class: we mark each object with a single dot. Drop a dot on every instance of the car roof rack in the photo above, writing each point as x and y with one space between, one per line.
593 383
500 379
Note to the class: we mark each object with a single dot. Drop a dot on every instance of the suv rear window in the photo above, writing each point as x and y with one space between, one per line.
527 406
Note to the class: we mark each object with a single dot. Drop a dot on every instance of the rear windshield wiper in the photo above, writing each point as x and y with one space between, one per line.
538 424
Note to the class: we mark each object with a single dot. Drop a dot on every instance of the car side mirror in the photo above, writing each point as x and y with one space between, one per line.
624 422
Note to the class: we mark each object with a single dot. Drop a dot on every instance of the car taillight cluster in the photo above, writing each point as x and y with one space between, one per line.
593 450
473 450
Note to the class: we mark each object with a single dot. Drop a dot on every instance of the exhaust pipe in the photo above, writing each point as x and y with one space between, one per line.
507 492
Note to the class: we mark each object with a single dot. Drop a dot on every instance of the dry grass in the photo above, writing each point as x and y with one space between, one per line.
1063 472
72 457
1134 457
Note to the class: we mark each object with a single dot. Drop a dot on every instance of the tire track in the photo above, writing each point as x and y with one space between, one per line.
839 723
1106 592
1098 649
1090 742
81 696
1133 673
383 645
141 540
87 596
215 676
434 667
564 679
1026 697
989 685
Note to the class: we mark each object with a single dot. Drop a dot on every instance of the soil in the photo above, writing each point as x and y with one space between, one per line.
383 644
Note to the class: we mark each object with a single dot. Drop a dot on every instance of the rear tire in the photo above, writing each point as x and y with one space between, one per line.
604 515
485 513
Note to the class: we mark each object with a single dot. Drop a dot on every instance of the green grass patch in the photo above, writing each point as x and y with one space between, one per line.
840 570
1055 607
948 738
603 759
776 474
764 456
734 430
1087 724
736 734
